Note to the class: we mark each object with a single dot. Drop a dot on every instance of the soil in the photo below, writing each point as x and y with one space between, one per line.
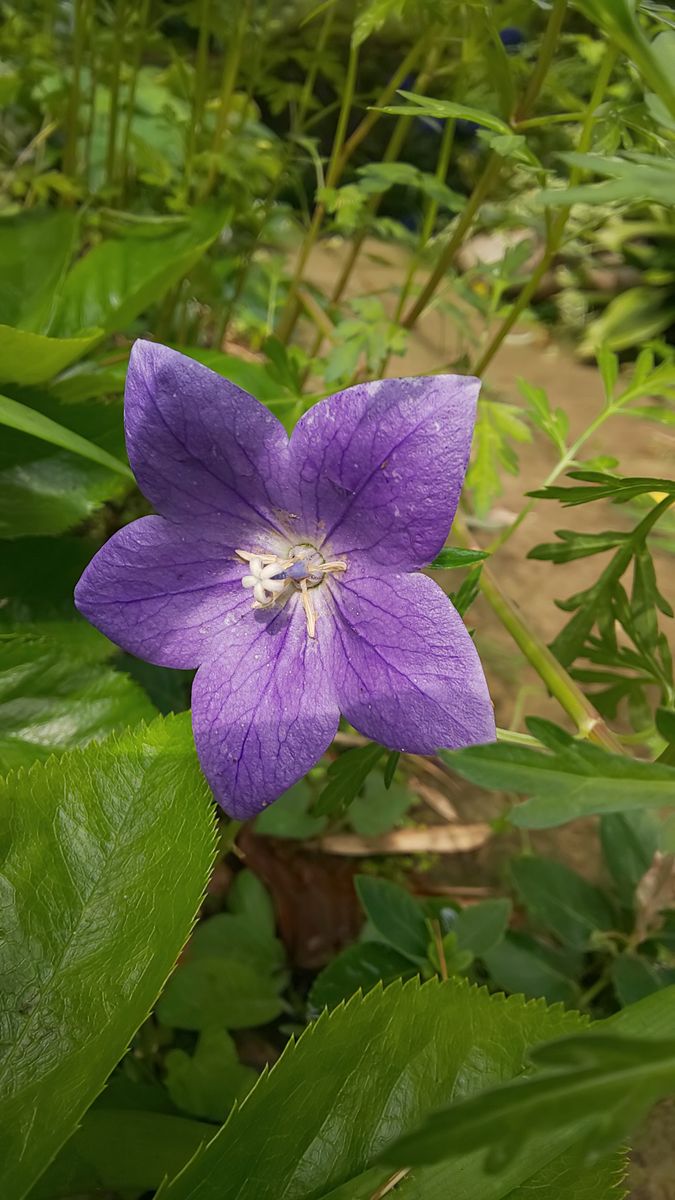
643 448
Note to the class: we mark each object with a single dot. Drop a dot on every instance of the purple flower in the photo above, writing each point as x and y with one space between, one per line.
287 570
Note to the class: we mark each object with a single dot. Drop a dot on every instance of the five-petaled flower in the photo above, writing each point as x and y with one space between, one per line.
287 570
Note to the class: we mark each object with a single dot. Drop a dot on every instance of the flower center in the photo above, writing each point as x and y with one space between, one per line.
273 577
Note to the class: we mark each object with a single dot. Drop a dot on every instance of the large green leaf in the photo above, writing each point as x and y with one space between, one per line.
591 1088
121 277
426 106
36 424
575 780
90 929
365 1074
46 490
29 358
35 248
155 1145
53 698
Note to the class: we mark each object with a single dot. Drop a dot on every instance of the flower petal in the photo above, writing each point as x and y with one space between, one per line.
406 673
264 711
199 444
380 467
165 592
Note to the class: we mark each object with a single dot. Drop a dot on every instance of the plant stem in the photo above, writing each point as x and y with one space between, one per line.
561 686
491 170
72 119
373 115
93 88
290 314
200 88
557 229
482 189
548 48
118 47
429 216
229 82
139 46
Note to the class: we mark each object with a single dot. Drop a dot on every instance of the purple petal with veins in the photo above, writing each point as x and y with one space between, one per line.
287 572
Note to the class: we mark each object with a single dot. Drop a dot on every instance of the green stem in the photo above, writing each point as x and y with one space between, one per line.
561 686
546 54
310 77
491 170
557 229
291 312
373 115
72 119
117 50
228 85
429 217
200 89
482 189
139 46
93 89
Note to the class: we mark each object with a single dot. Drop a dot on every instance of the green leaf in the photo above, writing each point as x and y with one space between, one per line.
577 780
560 900
219 993
454 556
379 808
346 776
366 1073
604 487
44 489
121 277
629 842
89 928
498 426
207 1083
237 936
38 579
521 964
590 1090
53 698
425 106
27 420
635 977
35 248
358 968
289 816
249 899
480 927
395 915
630 319
29 358
156 1147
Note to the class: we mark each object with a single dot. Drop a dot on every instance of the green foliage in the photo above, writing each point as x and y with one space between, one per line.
568 779
84 877
207 1083
55 695
587 1089
384 1052
398 919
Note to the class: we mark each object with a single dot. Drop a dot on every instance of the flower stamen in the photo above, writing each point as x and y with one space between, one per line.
271 577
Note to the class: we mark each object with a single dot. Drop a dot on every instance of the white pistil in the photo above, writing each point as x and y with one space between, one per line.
271 576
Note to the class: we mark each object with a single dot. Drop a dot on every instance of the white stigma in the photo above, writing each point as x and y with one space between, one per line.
273 578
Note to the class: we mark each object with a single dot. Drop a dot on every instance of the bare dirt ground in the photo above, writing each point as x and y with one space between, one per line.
642 449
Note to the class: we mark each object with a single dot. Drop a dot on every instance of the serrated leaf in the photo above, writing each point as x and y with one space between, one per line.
90 929
581 780
363 1075
497 427
591 1088
524 966
358 968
